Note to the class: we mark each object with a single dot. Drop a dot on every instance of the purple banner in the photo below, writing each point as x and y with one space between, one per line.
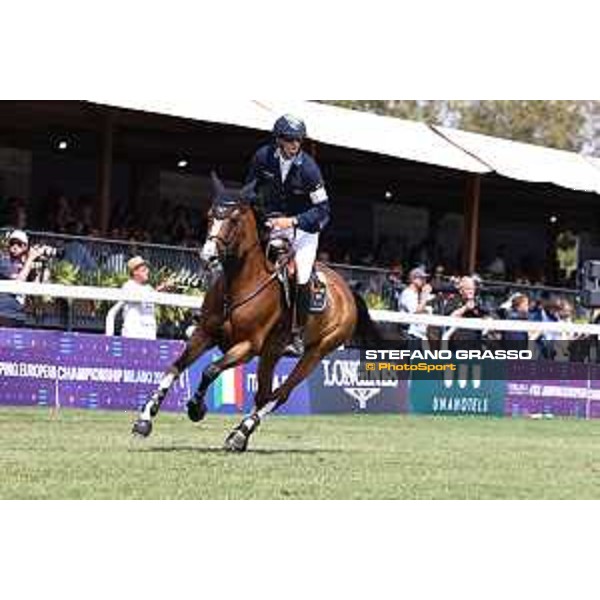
552 389
51 368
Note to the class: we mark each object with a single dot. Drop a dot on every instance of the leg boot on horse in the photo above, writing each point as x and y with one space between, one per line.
198 343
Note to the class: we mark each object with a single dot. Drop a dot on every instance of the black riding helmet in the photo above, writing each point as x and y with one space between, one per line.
289 127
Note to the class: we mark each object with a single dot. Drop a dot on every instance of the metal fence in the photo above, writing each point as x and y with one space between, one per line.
92 254
98 259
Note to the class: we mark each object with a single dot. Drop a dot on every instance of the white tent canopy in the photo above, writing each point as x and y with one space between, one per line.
527 162
389 136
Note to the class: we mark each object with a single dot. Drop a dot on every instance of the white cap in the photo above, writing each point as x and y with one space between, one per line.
19 235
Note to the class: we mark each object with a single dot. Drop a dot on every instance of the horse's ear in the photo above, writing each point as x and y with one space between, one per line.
248 192
218 187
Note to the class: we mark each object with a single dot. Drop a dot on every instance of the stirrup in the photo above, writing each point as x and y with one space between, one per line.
296 346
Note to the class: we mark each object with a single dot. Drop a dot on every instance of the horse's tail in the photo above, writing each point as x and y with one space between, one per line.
366 332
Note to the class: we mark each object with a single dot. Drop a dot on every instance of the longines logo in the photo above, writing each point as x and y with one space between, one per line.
345 373
362 395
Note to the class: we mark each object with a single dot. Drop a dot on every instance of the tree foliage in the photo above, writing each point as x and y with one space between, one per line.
565 124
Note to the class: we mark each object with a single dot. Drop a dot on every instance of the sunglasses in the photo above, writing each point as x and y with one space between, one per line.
287 138
16 243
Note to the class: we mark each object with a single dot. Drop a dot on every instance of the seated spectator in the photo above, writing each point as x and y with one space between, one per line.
63 213
77 253
497 268
392 286
17 213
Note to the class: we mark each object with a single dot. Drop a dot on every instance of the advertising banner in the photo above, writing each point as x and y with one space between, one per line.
466 391
552 389
51 368
233 392
338 386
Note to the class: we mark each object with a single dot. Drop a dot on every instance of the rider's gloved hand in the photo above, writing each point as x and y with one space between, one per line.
282 223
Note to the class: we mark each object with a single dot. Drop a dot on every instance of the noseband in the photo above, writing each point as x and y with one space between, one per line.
222 212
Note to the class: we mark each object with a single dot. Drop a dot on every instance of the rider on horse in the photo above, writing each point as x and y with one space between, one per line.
292 198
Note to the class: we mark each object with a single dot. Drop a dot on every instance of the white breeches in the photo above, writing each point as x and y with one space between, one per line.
305 247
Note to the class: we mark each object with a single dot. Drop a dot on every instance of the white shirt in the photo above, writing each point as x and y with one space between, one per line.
138 317
285 164
409 301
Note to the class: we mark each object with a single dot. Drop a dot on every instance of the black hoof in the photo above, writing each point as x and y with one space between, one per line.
142 427
196 411
236 441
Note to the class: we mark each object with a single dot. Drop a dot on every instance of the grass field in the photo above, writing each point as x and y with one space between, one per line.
85 454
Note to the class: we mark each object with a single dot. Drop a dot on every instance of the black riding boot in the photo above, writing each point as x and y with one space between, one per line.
296 346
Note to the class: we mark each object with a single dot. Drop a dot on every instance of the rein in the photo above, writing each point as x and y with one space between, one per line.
229 308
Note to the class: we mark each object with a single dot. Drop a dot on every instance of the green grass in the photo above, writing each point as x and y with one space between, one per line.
86 454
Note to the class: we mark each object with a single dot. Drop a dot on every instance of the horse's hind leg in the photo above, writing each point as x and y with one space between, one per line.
198 344
237 440
304 368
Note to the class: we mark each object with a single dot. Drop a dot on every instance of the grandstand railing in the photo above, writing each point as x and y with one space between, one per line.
112 255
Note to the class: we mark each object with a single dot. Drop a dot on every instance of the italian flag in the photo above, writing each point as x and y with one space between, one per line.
228 389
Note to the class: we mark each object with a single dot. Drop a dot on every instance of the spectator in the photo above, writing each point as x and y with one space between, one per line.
392 286
63 214
18 265
139 320
414 299
497 268
77 253
518 310
466 305
547 312
439 276
17 213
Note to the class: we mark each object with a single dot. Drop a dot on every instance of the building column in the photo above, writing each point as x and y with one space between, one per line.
471 223
105 162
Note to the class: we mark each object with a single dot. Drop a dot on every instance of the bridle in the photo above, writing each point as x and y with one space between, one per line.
223 213
224 244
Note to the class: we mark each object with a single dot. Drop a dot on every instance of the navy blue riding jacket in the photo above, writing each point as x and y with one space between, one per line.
301 195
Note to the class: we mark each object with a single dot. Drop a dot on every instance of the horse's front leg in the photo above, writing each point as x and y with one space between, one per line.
237 354
196 345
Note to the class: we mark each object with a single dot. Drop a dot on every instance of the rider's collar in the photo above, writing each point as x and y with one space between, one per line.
297 160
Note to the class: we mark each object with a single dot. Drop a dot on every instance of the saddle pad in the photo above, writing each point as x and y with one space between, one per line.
318 293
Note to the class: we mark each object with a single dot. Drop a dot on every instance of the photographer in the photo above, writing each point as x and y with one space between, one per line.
466 305
18 264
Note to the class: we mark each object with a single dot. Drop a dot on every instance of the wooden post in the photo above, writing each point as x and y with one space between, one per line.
471 223
105 160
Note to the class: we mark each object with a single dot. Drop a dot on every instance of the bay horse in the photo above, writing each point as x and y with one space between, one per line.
245 315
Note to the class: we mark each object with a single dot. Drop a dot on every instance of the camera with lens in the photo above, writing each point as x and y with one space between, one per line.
47 254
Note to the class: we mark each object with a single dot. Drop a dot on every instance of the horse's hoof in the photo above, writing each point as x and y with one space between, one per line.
236 441
142 428
196 412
